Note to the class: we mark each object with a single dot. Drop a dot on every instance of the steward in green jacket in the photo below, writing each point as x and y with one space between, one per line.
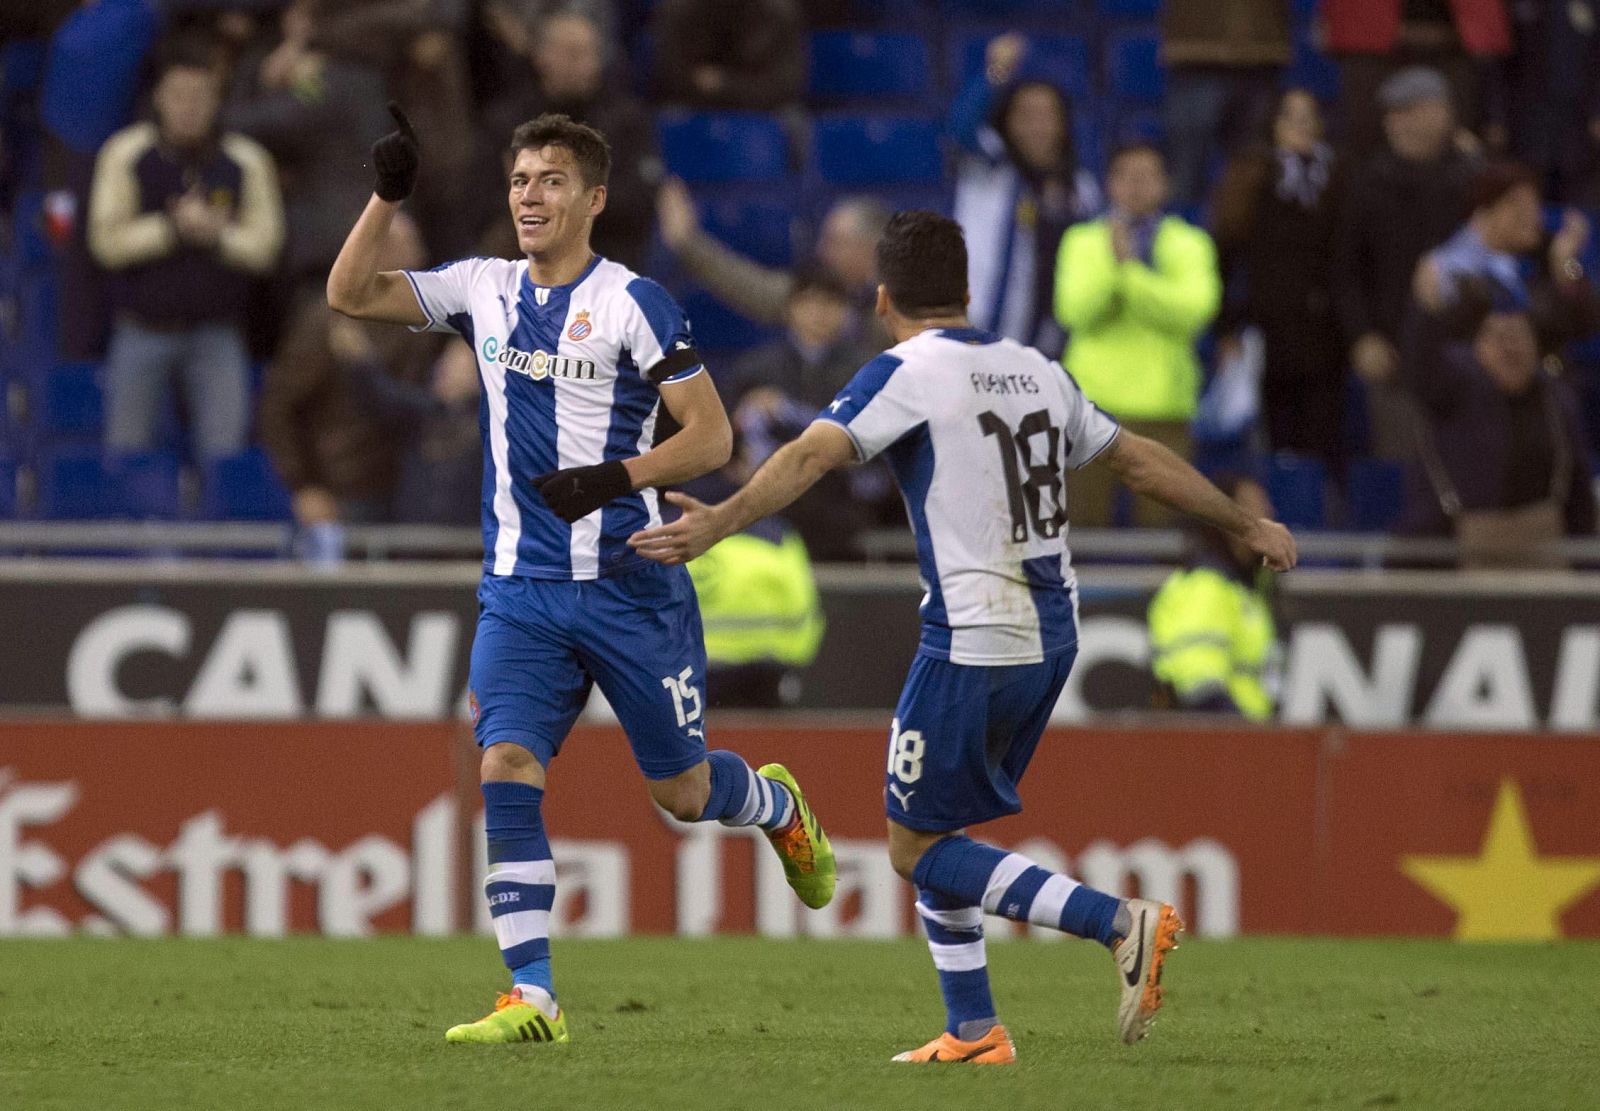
762 616
1213 639
1134 291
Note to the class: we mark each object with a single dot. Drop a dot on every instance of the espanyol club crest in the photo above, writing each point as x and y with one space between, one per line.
580 327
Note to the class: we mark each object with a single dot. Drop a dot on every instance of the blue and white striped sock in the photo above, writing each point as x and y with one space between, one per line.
740 797
1014 887
521 884
955 938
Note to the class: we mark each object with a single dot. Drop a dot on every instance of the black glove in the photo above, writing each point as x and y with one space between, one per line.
395 158
576 492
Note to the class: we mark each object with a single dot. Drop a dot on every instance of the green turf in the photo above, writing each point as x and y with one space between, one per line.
750 1024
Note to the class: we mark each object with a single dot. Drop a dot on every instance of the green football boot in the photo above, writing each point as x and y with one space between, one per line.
807 857
512 1020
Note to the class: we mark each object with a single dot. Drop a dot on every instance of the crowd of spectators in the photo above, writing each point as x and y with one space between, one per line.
1383 264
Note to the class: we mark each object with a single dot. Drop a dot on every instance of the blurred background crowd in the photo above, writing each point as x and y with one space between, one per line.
1341 247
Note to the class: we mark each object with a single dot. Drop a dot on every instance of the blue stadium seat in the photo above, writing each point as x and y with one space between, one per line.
1133 66
71 402
757 221
1377 494
1128 9
1143 125
8 489
22 65
723 146
74 485
1296 488
898 13
989 9
244 487
35 337
1313 70
869 65
147 485
1062 60
33 246
877 149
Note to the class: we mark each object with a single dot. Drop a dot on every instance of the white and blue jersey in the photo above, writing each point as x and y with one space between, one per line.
570 378
979 432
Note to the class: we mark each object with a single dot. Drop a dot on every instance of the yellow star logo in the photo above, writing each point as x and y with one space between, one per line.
1507 892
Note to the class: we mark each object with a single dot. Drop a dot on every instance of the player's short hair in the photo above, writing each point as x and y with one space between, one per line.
922 262
588 147
1136 146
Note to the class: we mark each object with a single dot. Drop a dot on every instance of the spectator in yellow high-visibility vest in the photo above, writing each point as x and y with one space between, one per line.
1213 640
1134 290
758 597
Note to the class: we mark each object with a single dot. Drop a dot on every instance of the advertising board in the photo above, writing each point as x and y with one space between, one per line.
277 642
350 828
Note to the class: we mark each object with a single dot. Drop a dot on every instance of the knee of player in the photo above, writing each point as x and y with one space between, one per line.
905 864
509 762
904 852
683 797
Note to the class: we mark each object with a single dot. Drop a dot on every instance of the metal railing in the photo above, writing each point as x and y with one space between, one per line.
1337 549
178 540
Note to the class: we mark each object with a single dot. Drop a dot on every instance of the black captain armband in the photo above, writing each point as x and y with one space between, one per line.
681 358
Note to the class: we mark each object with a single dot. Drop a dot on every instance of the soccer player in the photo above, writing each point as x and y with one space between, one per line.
576 354
978 431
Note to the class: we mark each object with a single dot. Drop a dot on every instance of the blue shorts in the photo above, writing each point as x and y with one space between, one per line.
542 644
962 739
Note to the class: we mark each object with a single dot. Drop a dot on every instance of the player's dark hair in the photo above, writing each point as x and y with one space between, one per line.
922 262
589 148
1136 146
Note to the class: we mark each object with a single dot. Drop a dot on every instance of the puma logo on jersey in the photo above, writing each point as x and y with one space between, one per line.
902 797
837 403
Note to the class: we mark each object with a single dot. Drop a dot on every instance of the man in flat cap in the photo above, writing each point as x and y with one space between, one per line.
1404 200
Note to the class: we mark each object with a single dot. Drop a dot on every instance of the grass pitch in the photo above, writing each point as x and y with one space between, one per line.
751 1024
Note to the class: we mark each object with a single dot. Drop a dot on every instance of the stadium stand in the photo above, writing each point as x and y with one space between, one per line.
71 407
703 147
75 485
1062 60
1297 488
872 66
879 149
243 487
881 74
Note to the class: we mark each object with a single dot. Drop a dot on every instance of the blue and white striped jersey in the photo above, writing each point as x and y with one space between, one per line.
570 376
979 431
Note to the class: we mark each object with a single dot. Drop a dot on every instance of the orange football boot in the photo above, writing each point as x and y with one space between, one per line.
994 1048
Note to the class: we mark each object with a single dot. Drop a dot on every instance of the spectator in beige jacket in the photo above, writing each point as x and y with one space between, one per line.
182 215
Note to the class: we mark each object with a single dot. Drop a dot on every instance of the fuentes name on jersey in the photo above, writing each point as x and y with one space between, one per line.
979 432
